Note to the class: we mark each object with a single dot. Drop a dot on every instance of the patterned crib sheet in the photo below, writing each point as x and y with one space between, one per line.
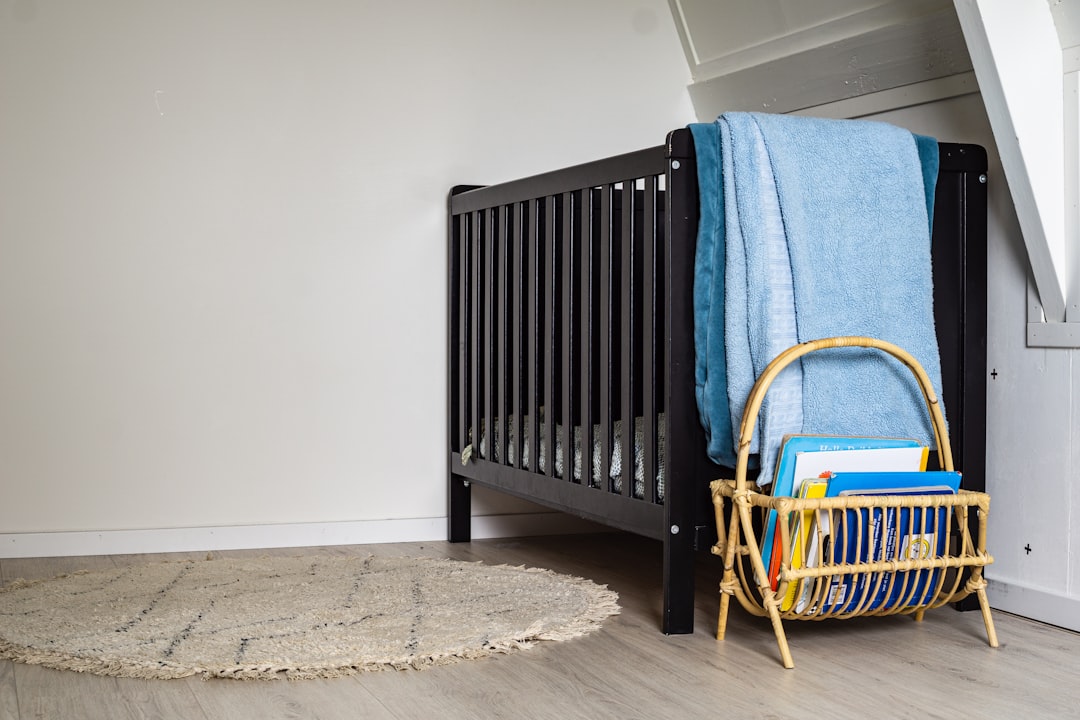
616 465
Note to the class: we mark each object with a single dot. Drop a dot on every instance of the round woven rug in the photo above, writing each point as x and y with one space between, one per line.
295 617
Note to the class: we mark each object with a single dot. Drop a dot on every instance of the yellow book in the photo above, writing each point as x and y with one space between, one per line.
800 531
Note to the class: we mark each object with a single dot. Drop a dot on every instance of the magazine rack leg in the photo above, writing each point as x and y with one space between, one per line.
984 606
769 599
728 583
977 579
977 583
781 636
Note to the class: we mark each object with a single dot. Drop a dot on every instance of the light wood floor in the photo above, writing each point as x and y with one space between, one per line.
871 668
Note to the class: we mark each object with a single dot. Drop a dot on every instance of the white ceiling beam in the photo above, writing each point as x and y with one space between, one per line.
1071 95
1017 57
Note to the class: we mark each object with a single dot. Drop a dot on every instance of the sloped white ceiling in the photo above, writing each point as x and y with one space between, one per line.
789 55
1066 14
792 55
723 37
1030 93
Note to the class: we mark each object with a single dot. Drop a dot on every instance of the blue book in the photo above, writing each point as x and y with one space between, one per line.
808 456
888 534
865 483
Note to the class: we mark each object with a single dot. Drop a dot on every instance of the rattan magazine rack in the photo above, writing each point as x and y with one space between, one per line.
841 550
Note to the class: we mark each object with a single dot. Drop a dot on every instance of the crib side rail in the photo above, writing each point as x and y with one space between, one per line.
556 332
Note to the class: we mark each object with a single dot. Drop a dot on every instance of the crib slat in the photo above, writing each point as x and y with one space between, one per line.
460 373
489 333
648 356
533 321
516 337
522 233
475 364
551 287
585 331
566 372
502 303
603 334
627 308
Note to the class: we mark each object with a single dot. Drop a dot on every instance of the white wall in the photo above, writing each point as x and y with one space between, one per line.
1033 437
222 240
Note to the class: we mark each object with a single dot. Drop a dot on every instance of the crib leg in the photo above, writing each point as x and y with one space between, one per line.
459 510
679 584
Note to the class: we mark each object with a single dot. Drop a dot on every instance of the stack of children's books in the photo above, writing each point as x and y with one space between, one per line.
816 466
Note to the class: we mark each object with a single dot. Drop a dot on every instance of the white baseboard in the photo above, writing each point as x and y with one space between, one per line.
1059 610
247 537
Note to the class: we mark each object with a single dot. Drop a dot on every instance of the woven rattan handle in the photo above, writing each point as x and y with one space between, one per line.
793 353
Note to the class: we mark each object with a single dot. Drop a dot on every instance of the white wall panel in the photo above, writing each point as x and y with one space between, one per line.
222 238
1072 564
837 68
1033 439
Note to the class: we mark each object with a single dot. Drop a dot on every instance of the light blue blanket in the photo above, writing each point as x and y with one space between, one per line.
812 228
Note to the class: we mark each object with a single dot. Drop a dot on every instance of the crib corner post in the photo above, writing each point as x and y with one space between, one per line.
679 583
459 509
687 494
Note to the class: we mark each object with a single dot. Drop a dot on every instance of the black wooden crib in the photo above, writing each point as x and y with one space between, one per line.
571 345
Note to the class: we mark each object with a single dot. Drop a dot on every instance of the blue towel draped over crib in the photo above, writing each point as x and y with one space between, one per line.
812 228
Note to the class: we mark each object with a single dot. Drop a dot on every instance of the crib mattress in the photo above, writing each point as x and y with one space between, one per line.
616 464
